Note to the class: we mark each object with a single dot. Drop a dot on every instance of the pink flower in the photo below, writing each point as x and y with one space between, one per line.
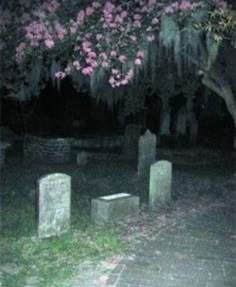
68 70
94 64
49 43
87 70
137 61
76 64
80 17
112 81
123 14
115 71
133 38
113 53
152 2
20 52
169 10
109 6
185 5
98 37
140 54
105 64
92 54
61 32
150 38
122 58
86 46
125 81
60 75
89 11
103 56
96 5
137 17
137 23
73 29
155 21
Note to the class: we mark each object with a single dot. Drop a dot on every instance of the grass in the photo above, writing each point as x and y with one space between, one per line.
23 256
25 260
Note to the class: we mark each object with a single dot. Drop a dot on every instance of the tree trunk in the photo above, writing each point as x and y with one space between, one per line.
222 89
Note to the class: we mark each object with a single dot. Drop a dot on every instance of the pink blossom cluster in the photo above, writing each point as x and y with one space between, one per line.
36 32
118 79
114 35
182 5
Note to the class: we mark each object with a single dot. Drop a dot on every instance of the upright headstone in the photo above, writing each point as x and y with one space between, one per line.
146 152
181 126
165 124
82 158
54 204
131 137
160 183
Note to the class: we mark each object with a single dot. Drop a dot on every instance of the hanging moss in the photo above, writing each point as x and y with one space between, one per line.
168 30
212 49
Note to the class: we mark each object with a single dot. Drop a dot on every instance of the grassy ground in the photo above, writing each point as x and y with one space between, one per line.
25 260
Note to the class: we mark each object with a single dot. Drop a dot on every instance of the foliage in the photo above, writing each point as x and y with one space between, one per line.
94 42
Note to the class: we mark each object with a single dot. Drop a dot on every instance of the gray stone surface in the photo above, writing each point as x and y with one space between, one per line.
196 252
114 207
82 158
146 153
196 249
54 204
160 183
131 137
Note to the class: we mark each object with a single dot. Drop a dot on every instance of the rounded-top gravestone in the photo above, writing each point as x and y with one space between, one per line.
54 204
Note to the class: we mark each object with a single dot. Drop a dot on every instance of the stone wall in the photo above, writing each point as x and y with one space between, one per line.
98 142
45 149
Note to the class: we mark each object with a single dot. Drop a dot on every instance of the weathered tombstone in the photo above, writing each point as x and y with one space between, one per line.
181 126
160 183
54 203
146 152
113 207
82 158
165 124
131 137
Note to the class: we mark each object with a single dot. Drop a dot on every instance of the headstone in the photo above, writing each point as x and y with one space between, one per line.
114 207
146 152
82 158
181 126
54 203
160 183
131 137
165 124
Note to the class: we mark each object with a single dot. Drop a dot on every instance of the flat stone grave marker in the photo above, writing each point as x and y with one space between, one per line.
146 153
114 207
160 183
54 204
